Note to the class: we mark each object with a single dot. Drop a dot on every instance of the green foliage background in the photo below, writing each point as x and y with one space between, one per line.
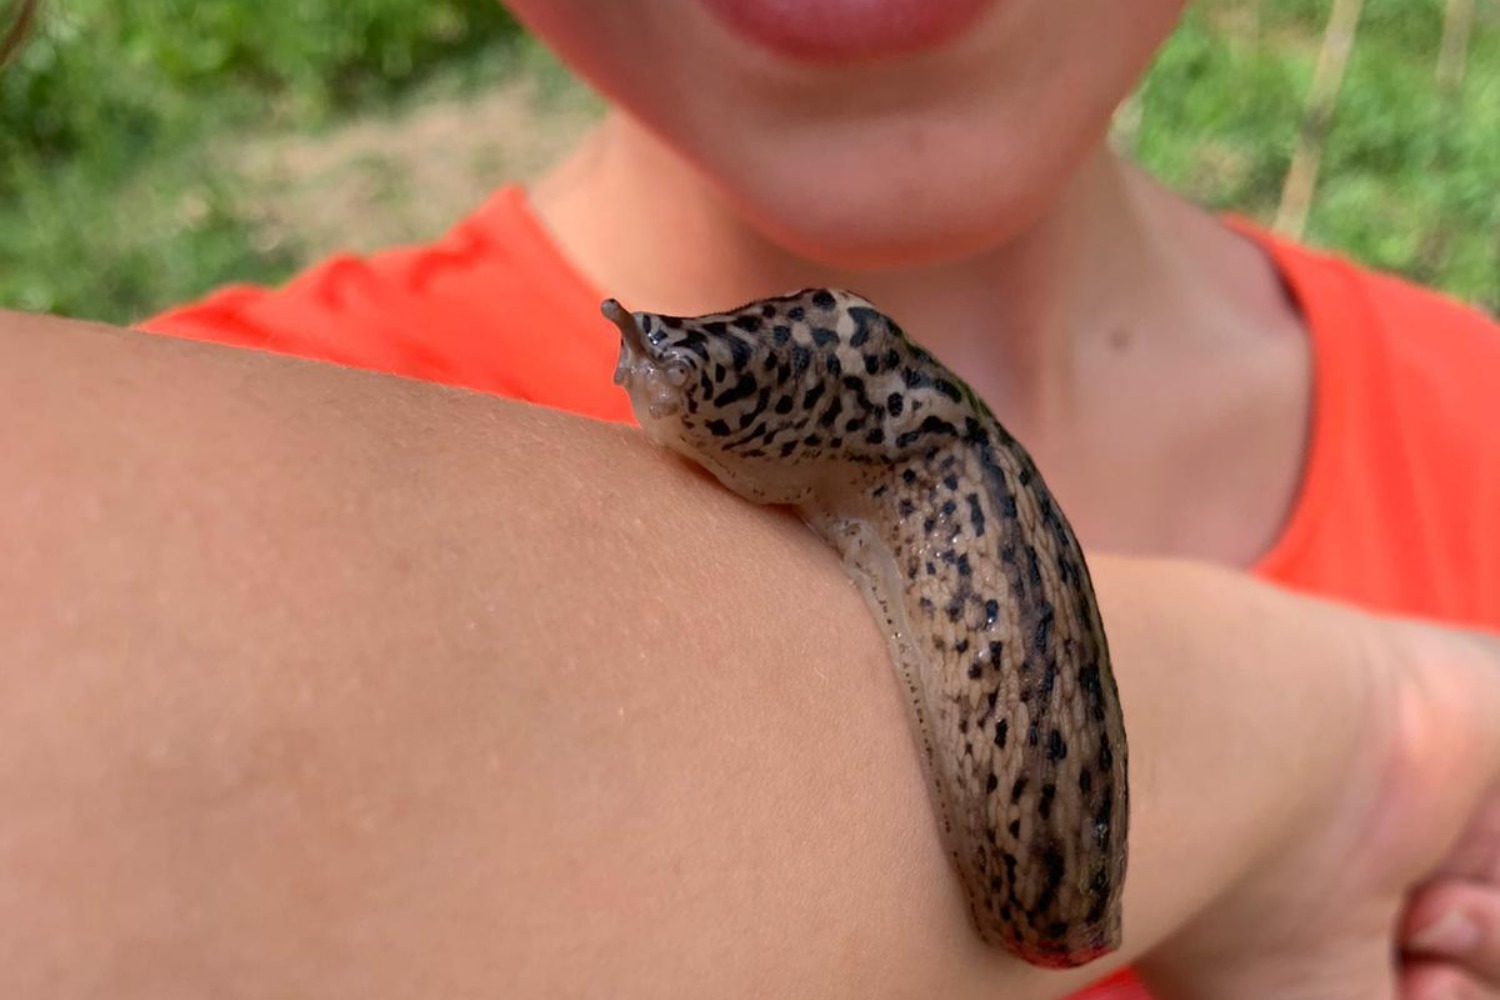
111 208
1410 176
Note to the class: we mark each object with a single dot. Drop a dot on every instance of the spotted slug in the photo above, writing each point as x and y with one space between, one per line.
819 401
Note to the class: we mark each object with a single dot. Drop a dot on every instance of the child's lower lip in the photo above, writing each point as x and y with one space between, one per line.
846 30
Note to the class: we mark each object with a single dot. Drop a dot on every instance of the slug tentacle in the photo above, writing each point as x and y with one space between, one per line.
820 401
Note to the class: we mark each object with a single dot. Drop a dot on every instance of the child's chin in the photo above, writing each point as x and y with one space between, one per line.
849 228
883 197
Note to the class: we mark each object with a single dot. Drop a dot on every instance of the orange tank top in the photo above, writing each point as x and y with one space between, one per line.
1399 507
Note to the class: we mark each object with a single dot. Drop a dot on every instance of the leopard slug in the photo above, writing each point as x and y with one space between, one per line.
819 401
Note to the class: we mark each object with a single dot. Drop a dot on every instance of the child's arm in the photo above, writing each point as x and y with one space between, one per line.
319 683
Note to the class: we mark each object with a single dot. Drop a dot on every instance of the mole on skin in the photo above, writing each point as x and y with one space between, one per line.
818 400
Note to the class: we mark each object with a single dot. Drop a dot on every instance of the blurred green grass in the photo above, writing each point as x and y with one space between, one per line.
1410 176
111 204
113 122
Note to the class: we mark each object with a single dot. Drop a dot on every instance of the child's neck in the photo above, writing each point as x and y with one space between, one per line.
1114 257
1117 304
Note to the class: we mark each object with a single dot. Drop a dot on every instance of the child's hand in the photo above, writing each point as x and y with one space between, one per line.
1397 894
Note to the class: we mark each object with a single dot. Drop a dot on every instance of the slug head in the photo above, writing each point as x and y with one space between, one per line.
776 395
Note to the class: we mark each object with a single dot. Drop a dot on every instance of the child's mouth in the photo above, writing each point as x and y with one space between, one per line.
847 30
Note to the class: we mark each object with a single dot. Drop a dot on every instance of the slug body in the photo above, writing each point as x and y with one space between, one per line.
819 401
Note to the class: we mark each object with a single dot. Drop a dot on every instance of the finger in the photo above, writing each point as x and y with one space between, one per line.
1441 981
1476 854
1459 923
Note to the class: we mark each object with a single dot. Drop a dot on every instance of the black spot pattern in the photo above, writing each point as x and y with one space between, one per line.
818 399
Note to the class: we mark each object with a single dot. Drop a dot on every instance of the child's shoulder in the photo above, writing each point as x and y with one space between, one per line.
1405 344
1419 324
1402 490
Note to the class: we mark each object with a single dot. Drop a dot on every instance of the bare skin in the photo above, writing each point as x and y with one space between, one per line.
320 683
1074 294
1146 354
